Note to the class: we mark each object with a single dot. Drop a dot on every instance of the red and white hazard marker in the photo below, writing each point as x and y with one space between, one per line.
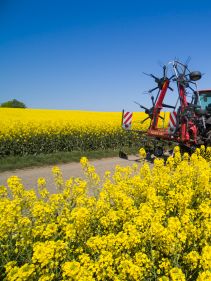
127 120
172 122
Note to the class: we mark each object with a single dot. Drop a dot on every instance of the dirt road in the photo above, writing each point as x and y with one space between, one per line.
29 176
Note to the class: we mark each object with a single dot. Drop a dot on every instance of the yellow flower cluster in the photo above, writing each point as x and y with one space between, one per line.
139 223
33 131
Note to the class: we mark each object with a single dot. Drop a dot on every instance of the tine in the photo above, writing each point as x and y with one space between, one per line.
167 105
153 76
164 71
146 74
188 60
144 120
141 106
153 100
150 91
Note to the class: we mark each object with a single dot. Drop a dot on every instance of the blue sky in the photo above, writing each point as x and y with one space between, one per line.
90 55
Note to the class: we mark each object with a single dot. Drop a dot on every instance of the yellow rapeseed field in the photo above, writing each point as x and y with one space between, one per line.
136 224
33 131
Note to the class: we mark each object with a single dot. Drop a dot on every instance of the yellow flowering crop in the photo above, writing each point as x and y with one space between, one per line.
139 223
33 131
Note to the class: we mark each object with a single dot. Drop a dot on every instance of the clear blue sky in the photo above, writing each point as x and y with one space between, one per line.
90 55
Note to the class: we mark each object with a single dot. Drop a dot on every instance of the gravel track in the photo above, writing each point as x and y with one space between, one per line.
29 176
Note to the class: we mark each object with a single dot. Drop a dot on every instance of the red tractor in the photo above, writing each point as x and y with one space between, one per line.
190 116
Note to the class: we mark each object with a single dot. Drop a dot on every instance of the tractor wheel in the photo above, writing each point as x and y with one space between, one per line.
158 151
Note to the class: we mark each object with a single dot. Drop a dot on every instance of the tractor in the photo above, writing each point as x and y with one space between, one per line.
189 123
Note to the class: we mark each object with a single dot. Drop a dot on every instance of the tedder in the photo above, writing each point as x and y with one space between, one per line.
189 123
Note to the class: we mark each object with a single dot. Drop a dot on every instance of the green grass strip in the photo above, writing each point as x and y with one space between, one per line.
19 162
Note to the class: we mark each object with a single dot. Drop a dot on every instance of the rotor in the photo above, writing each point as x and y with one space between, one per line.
160 83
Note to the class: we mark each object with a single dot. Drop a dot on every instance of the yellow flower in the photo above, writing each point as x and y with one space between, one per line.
143 223
84 162
204 276
176 274
206 258
58 179
71 270
142 153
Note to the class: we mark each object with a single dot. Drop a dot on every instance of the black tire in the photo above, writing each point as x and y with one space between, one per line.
158 151
123 155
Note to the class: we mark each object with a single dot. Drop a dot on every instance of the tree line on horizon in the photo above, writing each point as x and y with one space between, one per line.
13 104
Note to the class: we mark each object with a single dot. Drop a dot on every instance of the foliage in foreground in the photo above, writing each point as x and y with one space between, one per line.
137 224
28 131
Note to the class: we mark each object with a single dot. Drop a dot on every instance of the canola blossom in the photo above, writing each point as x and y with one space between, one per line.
32 131
139 223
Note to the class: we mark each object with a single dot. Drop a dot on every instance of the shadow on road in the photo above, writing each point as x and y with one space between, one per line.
150 157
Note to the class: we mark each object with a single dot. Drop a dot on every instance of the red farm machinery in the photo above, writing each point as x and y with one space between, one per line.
189 123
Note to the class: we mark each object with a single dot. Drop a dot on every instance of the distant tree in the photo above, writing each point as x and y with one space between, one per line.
13 104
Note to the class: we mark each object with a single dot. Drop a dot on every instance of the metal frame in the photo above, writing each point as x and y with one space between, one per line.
186 132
